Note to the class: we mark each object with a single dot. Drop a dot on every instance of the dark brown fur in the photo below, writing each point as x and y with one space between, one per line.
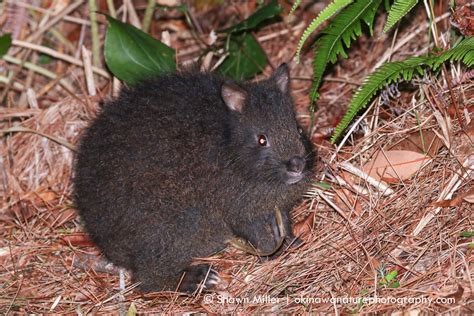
169 171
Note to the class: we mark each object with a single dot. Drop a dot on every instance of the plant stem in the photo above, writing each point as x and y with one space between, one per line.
95 33
42 71
150 8
110 5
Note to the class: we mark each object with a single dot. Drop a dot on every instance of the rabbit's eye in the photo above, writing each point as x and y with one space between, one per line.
262 140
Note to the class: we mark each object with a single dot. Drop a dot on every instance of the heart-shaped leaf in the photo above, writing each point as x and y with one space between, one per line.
133 55
246 57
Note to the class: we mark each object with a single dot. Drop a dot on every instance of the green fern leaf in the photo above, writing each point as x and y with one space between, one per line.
394 71
295 6
344 28
399 9
385 74
464 52
325 14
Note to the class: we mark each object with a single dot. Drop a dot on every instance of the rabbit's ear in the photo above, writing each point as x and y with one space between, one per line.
233 96
281 76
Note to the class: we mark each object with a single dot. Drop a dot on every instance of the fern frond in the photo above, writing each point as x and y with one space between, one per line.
399 9
325 14
385 74
393 71
464 52
295 6
346 26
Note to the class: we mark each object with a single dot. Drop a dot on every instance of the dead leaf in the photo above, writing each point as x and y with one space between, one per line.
46 196
77 239
304 227
424 142
457 295
399 164
464 144
345 200
466 196
469 198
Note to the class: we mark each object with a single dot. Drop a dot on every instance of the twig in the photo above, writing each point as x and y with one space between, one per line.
16 85
55 139
16 295
348 134
407 39
150 8
53 21
379 185
55 54
132 14
447 193
31 97
111 6
43 71
94 33
68 18
131 287
86 57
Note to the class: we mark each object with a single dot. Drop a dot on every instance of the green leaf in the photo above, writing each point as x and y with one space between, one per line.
324 15
183 8
133 55
295 6
5 43
394 71
385 74
391 275
466 234
323 185
344 28
464 52
246 57
269 11
399 9
132 310
44 59
394 285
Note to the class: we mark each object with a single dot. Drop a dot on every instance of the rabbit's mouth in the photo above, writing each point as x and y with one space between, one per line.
293 177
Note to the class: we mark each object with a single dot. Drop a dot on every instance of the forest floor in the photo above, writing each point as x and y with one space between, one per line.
404 247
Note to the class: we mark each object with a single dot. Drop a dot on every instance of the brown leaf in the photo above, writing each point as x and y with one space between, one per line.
304 227
469 198
457 295
465 143
424 142
466 196
399 164
345 201
47 196
77 239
